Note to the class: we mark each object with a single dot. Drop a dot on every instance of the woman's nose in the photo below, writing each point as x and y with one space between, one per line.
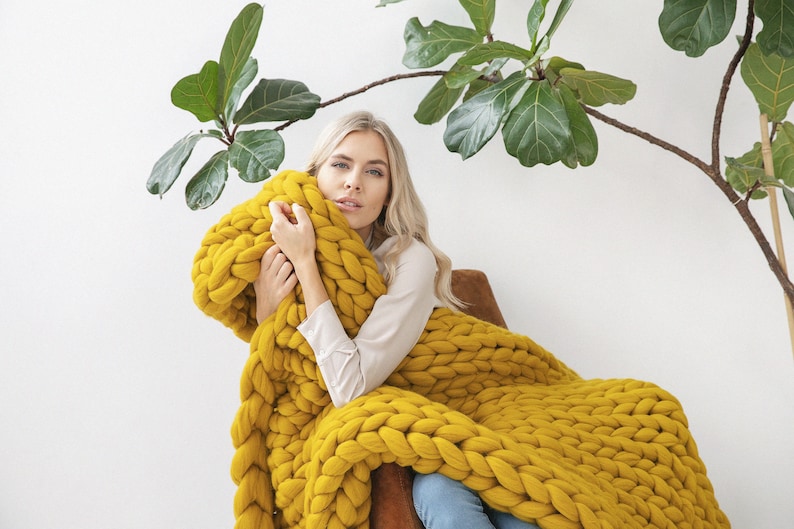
353 182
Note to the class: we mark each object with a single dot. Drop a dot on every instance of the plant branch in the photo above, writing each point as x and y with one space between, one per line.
742 206
755 187
726 84
385 80
398 77
650 138
772 260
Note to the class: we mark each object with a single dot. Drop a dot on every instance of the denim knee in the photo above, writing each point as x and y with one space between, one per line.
444 503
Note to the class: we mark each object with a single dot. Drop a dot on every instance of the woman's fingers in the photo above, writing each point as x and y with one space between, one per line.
292 230
269 256
300 214
281 212
279 208
282 266
275 263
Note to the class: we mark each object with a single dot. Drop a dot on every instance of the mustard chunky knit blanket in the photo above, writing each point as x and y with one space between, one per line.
472 401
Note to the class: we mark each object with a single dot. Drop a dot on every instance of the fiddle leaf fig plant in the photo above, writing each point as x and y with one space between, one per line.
213 94
541 104
537 106
770 78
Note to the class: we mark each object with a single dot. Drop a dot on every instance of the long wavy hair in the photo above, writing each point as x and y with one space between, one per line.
404 216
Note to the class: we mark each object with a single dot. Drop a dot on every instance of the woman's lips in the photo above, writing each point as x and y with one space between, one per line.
348 204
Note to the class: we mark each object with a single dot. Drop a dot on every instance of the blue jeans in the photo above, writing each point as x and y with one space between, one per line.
443 503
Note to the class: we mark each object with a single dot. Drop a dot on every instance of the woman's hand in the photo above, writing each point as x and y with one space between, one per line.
276 279
293 232
294 243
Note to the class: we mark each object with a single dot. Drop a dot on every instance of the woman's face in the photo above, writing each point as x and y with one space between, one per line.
357 178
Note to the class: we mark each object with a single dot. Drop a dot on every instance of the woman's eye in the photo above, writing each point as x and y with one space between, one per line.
376 172
340 165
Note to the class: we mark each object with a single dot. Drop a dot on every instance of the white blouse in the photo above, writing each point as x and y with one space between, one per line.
352 367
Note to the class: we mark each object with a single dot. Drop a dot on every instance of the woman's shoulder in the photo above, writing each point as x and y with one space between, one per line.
414 251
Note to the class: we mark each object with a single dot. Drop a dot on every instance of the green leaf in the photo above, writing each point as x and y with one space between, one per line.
494 67
584 145
475 87
198 93
742 173
166 170
538 130
562 10
278 100
554 65
558 63
540 50
237 50
596 88
693 26
431 45
459 76
207 184
771 80
255 153
537 12
489 51
783 153
473 123
246 78
438 101
777 35
481 13
788 195
384 3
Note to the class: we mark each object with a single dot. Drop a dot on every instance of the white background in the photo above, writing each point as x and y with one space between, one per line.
117 394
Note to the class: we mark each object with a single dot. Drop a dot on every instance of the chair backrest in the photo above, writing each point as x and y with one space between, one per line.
472 287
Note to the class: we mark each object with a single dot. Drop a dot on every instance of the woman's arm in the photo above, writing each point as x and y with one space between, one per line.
352 367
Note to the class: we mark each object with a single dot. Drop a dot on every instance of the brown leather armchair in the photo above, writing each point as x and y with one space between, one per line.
392 499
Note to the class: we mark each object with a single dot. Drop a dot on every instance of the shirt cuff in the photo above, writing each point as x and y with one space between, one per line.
323 331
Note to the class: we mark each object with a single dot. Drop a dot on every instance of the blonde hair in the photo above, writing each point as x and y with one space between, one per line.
405 215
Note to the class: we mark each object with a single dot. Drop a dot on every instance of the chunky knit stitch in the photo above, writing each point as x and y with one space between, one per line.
472 401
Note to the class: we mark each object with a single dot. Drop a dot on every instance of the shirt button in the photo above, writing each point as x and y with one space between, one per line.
311 332
333 384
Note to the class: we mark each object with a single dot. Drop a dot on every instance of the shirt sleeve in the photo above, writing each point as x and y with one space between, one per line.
352 367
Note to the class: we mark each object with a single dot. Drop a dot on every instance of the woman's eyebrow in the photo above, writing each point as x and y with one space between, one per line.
347 158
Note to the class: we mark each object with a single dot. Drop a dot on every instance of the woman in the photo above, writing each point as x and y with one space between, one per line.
361 167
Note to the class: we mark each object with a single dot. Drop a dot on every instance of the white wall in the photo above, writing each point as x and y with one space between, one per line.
117 394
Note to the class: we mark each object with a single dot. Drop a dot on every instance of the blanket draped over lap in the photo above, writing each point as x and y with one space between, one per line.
472 401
